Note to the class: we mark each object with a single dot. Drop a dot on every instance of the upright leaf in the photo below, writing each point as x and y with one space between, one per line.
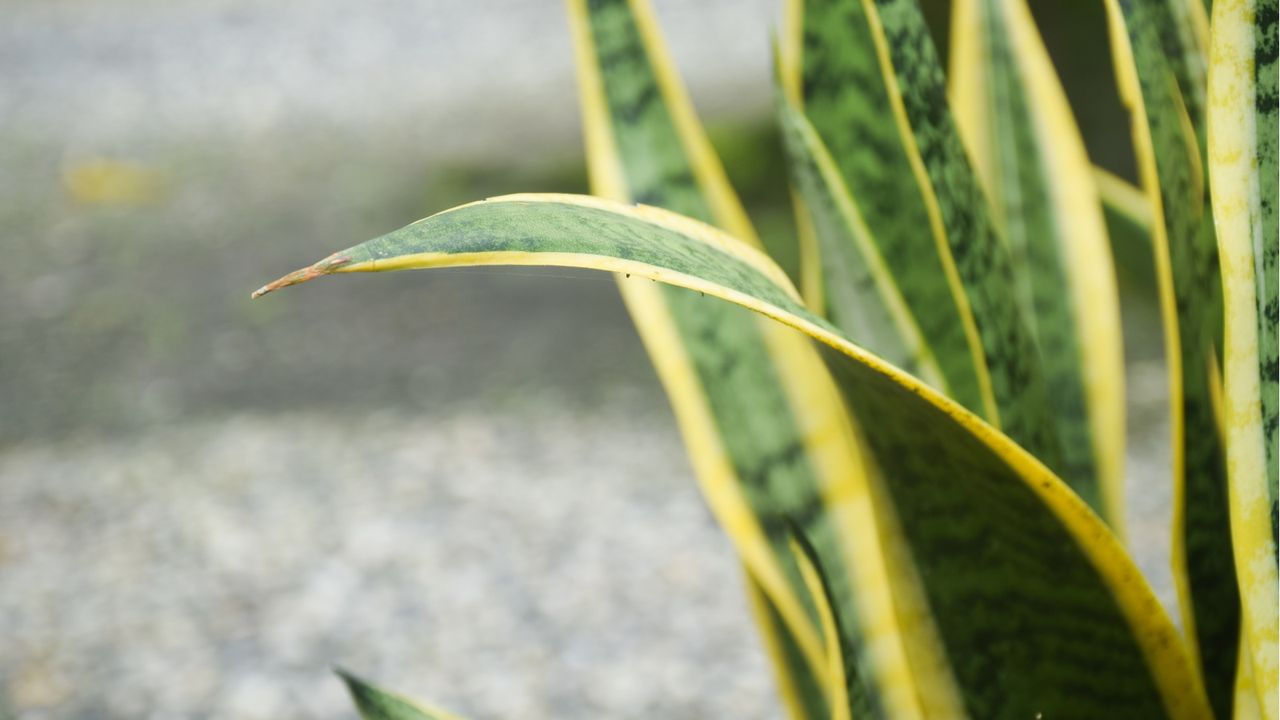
831 73
955 210
1037 608
861 296
1031 160
1243 166
770 441
1170 168
1184 29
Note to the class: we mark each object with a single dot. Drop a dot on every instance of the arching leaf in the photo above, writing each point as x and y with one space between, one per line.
1032 597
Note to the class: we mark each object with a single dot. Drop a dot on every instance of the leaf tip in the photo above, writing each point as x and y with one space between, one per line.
324 267
356 685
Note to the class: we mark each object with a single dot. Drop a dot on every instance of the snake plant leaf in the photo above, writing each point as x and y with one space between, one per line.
830 72
636 151
1128 216
1243 166
803 694
1036 605
838 655
759 412
1043 200
1184 29
861 296
1169 164
374 703
956 208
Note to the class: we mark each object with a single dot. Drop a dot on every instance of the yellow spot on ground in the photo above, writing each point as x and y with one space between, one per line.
111 182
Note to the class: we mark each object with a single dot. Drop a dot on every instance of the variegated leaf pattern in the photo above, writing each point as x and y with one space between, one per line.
1037 607
1172 175
1242 119
770 442
831 74
1030 157
975 262
861 296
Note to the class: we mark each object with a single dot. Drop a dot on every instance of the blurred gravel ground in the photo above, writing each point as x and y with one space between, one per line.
524 566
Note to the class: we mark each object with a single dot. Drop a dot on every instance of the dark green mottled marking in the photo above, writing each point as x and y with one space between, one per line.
1022 198
724 343
1265 266
1028 628
983 260
1196 283
846 100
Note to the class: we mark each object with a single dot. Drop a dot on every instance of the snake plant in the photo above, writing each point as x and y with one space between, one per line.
917 448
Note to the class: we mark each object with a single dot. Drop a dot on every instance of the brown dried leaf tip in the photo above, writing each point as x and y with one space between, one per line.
324 267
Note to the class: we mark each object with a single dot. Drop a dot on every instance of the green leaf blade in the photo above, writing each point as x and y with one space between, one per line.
803 694
989 526
997 566
1171 168
861 296
1017 124
837 83
958 212
729 375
